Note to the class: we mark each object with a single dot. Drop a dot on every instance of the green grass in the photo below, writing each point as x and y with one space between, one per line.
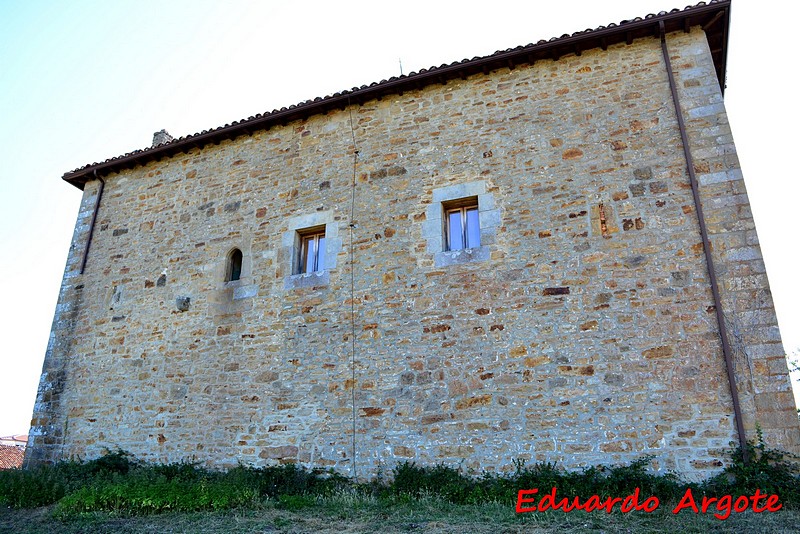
347 513
116 493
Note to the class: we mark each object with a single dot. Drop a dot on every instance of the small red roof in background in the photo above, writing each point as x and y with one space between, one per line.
11 456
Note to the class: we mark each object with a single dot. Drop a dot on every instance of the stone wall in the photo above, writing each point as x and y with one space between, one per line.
583 330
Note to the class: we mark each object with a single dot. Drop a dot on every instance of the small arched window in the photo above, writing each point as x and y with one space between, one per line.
234 271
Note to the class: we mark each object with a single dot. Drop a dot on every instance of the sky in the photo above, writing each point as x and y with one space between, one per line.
83 81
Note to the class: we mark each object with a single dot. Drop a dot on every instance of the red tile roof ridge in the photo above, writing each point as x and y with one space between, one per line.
164 148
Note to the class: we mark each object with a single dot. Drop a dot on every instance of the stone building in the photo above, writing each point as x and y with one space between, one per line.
528 255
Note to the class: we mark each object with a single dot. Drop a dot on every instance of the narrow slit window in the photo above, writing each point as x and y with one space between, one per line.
312 252
234 271
463 227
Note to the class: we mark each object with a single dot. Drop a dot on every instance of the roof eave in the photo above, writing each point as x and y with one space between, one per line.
714 18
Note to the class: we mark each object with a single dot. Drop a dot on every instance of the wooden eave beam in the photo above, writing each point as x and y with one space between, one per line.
713 21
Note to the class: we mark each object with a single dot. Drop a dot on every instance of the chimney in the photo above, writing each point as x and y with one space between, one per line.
162 137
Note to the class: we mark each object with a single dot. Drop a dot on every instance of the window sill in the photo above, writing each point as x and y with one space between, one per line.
457 257
296 281
245 292
240 290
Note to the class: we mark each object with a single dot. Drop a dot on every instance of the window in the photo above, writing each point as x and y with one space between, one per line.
461 223
312 251
463 228
234 271
309 249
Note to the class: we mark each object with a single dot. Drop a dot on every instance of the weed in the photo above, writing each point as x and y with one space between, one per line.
119 484
441 480
769 470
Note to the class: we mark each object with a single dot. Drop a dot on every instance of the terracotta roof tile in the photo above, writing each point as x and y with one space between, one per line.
631 29
11 457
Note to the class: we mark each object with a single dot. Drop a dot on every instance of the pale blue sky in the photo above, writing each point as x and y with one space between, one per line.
82 81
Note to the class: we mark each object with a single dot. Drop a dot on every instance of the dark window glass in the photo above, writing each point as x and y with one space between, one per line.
234 265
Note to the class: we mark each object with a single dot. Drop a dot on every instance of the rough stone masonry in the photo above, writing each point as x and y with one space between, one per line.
582 330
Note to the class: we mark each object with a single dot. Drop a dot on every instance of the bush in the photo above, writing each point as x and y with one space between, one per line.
117 462
623 480
118 483
31 488
441 480
768 470
273 481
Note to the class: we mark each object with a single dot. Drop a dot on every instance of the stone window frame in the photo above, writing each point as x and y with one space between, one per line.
434 227
243 286
299 226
